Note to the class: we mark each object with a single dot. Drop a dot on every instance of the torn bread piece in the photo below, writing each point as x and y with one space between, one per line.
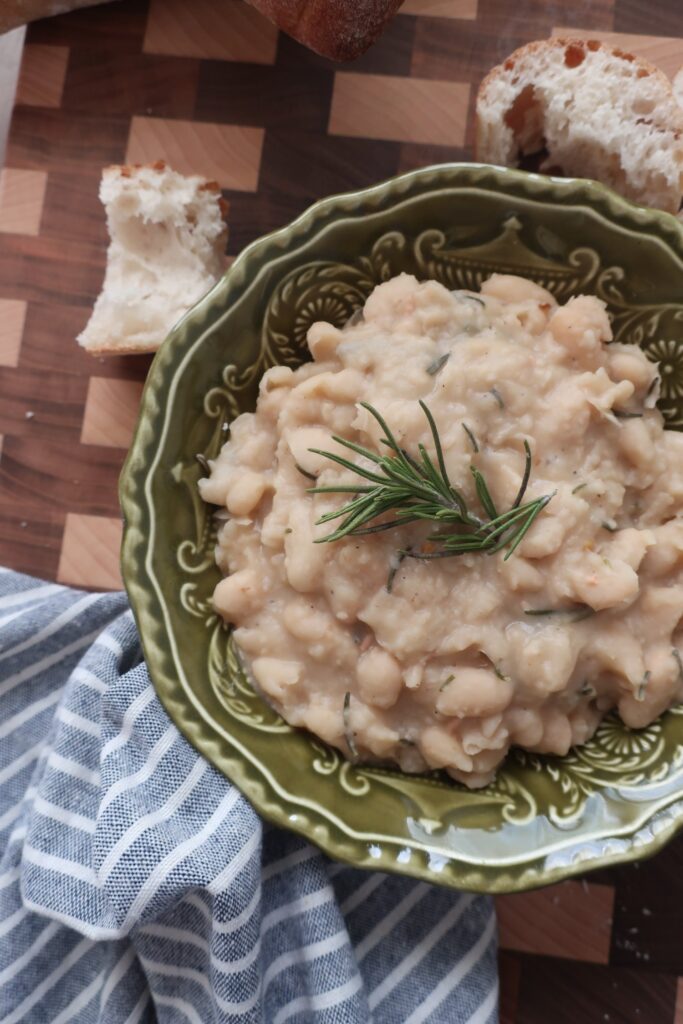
592 111
167 248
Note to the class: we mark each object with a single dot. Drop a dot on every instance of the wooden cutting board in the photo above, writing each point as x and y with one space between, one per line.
213 89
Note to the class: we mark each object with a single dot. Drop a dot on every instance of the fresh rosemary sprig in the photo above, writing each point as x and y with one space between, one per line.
402 488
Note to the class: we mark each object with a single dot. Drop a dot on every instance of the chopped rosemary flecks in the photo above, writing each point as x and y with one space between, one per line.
288 529
417 490
473 440
624 414
642 686
653 384
445 683
496 668
438 364
348 735
609 525
586 690
577 613
203 462
304 472
400 555
579 487
473 298
498 397
679 661
405 742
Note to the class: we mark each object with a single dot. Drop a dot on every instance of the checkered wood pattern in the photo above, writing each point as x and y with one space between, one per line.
213 89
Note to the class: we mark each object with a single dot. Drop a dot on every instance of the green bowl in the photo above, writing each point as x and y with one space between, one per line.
618 798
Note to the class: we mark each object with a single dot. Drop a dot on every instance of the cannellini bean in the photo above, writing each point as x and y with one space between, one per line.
603 583
442 749
302 439
520 575
304 560
277 377
325 722
557 733
474 691
545 539
238 595
636 443
379 739
379 678
581 325
664 606
543 659
344 386
629 546
245 492
509 288
275 675
305 621
525 726
323 340
629 363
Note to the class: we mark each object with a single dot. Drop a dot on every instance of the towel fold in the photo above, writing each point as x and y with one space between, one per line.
137 884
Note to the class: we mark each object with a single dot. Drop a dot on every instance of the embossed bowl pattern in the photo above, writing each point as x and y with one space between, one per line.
544 818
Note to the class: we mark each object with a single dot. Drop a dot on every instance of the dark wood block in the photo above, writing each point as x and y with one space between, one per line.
130 83
30 537
40 406
288 99
121 28
68 141
647 912
64 475
46 269
553 991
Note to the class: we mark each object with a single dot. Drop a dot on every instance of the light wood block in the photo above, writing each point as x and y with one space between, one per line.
228 154
399 109
111 411
12 317
90 552
22 194
461 9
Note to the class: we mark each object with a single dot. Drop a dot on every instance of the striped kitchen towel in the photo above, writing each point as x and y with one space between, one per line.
137 884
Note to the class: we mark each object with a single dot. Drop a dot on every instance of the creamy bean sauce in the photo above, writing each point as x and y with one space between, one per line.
451 664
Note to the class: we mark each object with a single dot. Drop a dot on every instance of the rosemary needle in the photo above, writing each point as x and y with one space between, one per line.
402 488
438 364
348 734
473 440
498 397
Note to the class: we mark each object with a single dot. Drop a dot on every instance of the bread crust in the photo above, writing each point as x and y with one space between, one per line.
339 29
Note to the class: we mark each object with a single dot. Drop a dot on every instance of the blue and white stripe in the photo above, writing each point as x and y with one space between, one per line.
136 884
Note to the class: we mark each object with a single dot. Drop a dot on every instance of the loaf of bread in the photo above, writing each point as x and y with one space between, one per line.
593 111
167 248
339 29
